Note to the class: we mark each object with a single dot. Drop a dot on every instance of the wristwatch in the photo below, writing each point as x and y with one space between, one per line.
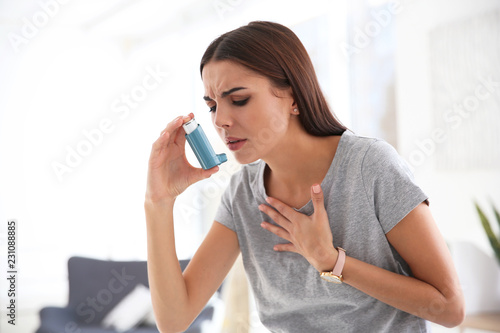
335 275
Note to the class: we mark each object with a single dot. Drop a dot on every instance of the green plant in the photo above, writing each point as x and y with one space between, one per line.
494 239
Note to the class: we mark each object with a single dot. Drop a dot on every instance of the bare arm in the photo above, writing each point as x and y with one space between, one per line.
434 293
178 298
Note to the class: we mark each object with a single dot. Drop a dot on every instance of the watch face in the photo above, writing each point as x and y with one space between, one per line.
328 276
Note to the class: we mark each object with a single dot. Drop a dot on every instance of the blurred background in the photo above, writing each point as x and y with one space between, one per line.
87 86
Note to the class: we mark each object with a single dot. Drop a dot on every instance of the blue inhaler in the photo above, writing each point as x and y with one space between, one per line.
201 147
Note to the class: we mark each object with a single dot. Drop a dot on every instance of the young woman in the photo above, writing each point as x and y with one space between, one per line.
313 204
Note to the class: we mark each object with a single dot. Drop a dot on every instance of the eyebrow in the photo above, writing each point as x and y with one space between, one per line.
225 93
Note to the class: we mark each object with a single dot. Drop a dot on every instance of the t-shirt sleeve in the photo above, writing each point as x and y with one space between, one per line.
224 214
389 185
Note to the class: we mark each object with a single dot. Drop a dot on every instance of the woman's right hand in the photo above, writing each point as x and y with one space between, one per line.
169 172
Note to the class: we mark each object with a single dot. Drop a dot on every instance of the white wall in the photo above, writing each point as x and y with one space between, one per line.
451 193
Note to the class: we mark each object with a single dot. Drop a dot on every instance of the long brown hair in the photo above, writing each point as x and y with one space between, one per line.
274 51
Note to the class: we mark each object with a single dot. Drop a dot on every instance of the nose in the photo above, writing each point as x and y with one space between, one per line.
222 118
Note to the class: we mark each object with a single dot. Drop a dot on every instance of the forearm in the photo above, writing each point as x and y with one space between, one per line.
168 289
405 293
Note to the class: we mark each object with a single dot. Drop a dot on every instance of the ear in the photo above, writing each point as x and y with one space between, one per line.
295 107
290 95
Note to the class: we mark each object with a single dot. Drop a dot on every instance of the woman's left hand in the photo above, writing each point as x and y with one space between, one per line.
309 236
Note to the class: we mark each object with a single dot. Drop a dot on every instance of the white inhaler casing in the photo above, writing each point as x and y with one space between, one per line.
201 146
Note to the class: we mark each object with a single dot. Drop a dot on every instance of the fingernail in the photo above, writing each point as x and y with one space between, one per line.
262 225
316 189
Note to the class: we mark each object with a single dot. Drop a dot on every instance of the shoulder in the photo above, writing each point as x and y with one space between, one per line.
360 150
246 177
371 151
381 157
248 172
252 169
356 146
373 157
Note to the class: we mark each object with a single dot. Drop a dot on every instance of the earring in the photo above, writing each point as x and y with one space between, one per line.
295 110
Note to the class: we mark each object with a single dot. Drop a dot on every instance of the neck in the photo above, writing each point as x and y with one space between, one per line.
301 160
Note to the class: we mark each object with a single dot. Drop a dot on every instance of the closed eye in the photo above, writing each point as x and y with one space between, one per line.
241 102
237 103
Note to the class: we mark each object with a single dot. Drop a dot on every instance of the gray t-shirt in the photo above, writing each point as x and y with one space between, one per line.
368 189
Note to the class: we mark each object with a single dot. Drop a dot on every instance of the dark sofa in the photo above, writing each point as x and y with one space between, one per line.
95 287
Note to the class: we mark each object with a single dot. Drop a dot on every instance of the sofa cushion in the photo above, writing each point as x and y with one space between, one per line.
130 311
97 286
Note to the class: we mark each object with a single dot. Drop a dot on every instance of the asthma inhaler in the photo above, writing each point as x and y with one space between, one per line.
201 147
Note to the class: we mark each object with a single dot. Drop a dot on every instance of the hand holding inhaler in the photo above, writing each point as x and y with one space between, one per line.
201 146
